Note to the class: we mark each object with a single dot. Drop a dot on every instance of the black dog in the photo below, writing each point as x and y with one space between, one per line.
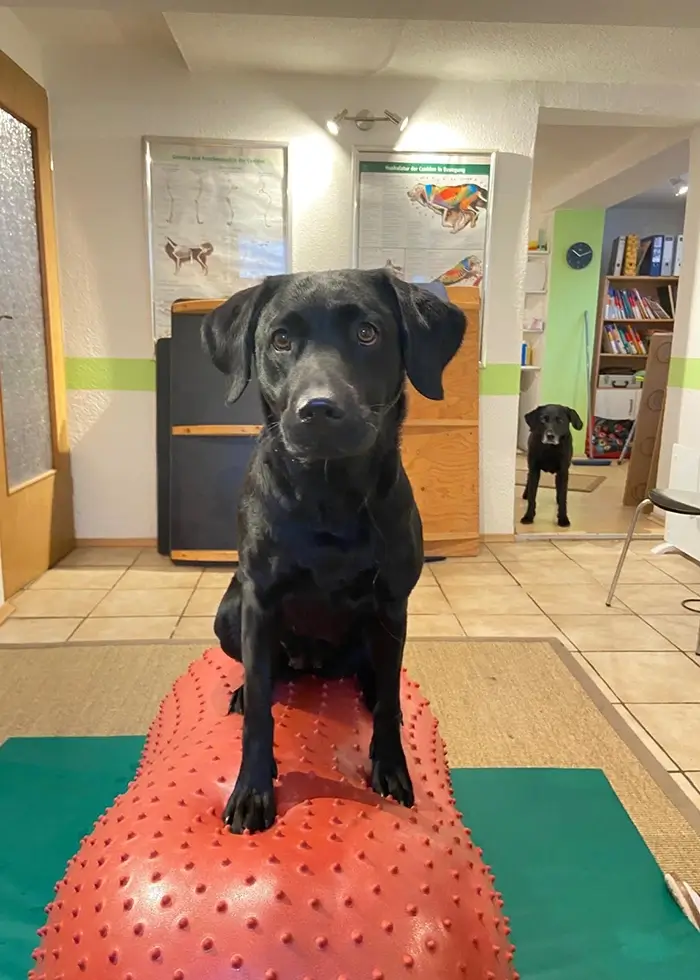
330 540
549 449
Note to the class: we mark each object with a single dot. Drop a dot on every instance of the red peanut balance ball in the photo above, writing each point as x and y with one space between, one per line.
345 886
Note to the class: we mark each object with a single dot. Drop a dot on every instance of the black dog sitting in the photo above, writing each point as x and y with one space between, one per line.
330 541
549 449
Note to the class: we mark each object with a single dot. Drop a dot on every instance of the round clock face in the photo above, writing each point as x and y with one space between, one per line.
578 256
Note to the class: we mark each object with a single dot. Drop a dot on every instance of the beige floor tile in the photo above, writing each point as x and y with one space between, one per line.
203 602
594 676
688 787
484 554
428 600
37 630
676 727
645 738
126 628
56 603
611 633
527 551
681 569
149 558
455 572
145 578
582 598
652 599
694 777
78 578
96 557
643 546
491 602
590 546
681 630
426 578
444 625
212 579
648 677
143 602
507 625
543 573
196 628
633 573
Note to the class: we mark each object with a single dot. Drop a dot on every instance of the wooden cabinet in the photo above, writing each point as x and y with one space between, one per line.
207 445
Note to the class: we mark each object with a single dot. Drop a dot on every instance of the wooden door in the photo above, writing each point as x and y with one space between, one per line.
36 490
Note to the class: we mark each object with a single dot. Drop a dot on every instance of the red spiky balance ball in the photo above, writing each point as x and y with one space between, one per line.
345 886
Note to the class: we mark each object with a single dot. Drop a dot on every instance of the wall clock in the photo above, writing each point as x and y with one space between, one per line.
579 255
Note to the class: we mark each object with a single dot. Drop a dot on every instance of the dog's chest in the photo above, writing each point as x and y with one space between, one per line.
550 458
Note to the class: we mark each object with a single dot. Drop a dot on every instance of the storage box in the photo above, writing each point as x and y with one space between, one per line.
618 381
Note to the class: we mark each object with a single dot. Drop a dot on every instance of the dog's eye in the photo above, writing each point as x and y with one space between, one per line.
281 340
367 334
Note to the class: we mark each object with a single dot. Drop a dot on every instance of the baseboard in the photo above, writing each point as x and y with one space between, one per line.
115 542
497 538
6 610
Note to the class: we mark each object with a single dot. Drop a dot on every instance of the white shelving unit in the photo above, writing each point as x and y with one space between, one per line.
534 329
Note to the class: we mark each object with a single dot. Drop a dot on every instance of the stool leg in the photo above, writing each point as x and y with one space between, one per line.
625 549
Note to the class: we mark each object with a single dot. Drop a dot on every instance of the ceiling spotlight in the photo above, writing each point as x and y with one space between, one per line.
679 186
333 125
400 121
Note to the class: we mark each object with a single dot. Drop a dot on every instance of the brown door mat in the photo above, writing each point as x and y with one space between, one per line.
578 482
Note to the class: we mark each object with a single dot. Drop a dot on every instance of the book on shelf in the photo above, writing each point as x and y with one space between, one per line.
653 255
630 304
622 339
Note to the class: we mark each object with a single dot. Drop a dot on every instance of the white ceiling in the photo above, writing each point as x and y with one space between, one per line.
624 13
477 49
662 195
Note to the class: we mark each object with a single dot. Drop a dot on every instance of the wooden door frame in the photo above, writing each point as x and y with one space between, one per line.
25 99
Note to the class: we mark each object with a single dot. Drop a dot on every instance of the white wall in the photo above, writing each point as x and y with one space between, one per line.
101 110
639 221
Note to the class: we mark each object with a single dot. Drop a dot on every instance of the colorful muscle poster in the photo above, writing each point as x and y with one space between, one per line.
217 219
425 216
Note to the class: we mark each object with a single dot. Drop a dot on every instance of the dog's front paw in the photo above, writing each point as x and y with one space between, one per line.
563 521
390 776
237 703
251 806
527 519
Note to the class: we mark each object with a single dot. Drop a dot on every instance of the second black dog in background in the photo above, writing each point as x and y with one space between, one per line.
550 450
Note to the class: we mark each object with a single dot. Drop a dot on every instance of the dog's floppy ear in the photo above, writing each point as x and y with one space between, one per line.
533 417
228 333
432 331
574 418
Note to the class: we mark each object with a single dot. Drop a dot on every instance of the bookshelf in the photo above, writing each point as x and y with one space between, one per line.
622 299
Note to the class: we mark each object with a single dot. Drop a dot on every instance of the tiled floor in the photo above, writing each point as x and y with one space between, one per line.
597 512
640 652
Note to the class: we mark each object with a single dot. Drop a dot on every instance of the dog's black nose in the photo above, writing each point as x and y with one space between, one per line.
320 409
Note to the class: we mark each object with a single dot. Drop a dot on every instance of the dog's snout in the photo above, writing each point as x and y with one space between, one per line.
320 408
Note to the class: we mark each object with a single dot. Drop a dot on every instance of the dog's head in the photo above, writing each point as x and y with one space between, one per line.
331 351
550 423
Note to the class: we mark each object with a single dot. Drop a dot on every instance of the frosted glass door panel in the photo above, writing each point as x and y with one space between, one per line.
23 373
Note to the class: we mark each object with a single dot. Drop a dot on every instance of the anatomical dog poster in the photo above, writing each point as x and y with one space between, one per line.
425 216
217 219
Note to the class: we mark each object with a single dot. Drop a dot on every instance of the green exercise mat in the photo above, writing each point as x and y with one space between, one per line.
586 899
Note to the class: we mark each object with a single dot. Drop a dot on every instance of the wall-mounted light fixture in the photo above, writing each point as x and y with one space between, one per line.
364 120
680 186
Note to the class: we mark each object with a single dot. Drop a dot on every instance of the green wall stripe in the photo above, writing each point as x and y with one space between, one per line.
571 292
684 372
139 374
499 379
110 374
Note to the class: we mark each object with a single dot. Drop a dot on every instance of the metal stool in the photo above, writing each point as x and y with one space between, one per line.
674 502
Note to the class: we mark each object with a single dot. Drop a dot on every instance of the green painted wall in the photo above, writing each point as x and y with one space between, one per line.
564 379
